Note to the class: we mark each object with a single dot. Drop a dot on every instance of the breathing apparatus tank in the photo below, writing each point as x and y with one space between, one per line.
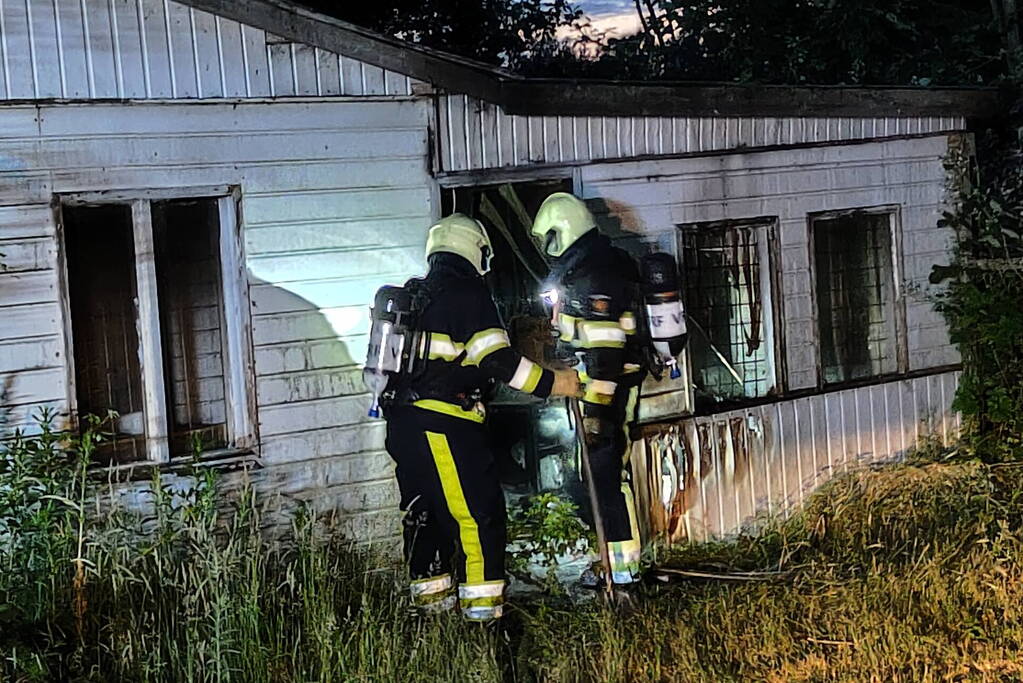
665 315
392 341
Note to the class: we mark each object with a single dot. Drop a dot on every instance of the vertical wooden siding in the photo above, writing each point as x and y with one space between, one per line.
139 49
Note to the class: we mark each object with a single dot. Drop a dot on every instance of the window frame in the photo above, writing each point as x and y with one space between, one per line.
239 375
772 301
894 213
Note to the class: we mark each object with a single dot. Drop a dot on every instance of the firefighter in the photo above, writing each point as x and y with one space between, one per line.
453 505
594 287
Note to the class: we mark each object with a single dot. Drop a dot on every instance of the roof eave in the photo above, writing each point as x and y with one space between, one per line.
569 97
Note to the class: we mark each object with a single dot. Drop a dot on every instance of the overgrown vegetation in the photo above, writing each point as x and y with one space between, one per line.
983 293
910 572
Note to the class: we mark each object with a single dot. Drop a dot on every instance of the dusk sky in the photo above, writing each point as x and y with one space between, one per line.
613 16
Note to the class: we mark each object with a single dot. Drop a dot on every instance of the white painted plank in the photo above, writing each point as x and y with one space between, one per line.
352 80
45 48
19 69
306 73
31 354
129 54
207 55
329 68
26 222
373 80
181 47
257 81
17 289
32 387
292 117
26 255
298 418
232 57
33 320
157 62
282 74
150 341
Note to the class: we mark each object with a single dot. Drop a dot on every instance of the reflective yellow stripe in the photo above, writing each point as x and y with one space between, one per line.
468 530
593 396
628 322
601 334
442 347
526 376
450 409
484 343
566 325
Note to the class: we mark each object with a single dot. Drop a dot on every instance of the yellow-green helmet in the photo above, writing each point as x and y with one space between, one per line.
459 234
562 219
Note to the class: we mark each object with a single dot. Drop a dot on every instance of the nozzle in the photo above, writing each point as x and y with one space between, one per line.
675 372
374 410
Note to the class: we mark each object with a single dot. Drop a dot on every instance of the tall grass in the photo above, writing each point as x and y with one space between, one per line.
904 573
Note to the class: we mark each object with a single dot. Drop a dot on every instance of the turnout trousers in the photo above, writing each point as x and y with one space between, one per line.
607 441
453 505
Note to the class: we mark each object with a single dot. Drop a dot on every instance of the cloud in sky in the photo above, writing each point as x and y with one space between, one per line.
615 18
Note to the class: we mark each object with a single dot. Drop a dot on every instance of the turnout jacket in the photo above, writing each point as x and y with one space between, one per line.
465 344
599 310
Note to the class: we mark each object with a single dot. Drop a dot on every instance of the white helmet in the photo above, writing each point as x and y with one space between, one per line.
562 219
459 234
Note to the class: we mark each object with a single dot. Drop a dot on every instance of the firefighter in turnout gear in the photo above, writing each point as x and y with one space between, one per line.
593 288
454 512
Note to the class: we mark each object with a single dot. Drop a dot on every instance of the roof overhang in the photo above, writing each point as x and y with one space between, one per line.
567 97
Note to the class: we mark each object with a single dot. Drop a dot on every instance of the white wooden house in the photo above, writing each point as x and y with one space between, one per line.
199 197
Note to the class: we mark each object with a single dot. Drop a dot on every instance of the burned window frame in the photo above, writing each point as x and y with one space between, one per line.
771 307
898 305
238 363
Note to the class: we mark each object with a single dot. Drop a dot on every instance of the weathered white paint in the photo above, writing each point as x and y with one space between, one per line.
648 200
708 477
477 135
335 200
143 49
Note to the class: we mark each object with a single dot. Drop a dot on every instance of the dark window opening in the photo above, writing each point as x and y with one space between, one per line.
186 234
108 334
100 250
728 301
855 296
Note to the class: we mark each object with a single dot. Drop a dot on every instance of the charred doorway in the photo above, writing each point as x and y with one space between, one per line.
532 439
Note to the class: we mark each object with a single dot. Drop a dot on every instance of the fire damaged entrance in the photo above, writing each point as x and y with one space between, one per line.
534 441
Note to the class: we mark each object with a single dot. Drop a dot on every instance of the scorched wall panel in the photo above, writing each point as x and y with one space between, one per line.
649 199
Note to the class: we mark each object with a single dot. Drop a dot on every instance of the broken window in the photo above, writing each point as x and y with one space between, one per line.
855 291
149 326
726 277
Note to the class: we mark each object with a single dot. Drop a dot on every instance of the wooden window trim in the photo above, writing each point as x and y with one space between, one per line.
772 301
901 341
239 376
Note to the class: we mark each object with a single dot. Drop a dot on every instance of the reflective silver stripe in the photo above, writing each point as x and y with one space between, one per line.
480 346
591 334
471 591
522 373
483 613
438 606
628 322
444 348
602 386
439 584
622 578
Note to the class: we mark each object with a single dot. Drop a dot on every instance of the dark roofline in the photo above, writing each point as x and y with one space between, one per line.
545 96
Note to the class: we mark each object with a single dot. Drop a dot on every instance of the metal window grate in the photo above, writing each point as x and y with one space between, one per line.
855 295
725 303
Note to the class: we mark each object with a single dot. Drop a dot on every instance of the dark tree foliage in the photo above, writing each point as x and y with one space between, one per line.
512 33
815 42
